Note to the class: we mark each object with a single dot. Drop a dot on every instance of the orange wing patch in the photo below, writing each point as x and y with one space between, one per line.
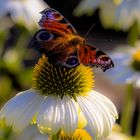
91 56
53 21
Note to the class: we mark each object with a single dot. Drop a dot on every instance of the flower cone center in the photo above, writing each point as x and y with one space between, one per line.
56 80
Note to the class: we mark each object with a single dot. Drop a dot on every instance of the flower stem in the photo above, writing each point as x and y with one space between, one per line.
133 34
56 136
138 123
128 109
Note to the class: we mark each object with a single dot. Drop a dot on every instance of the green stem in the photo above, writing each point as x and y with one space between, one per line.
128 109
133 34
138 124
56 136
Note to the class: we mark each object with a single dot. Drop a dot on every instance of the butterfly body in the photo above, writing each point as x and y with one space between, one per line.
60 42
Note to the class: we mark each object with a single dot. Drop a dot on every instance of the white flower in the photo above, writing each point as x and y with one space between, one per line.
53 113
124 71
61 99
23 11
117 134
120 14
87 6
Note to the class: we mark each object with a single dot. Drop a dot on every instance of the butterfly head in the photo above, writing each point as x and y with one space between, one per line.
74 40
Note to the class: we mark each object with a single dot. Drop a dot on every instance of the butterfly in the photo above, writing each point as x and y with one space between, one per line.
60 42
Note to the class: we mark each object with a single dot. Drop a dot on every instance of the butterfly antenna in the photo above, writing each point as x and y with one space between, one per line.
89 30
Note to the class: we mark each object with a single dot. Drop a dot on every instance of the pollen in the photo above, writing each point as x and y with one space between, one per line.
136 55
79 134
136 60
52 79
117 2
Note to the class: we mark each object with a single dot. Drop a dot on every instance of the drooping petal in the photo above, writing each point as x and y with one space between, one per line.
70 118
49 118
104 100
100 113
92 116
106 109
19 111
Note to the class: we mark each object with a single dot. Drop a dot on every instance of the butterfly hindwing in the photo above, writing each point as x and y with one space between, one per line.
53 21
91 56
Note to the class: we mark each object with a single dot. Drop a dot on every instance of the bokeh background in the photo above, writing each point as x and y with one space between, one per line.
116 31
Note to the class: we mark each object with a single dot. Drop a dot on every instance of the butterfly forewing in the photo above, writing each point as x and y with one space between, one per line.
53 21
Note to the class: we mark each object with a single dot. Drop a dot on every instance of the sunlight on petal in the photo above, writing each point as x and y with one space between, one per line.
19 111
70 118
49 115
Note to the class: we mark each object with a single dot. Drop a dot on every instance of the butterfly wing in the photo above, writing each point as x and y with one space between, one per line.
50 40
91 56
51 45
54 22
43 41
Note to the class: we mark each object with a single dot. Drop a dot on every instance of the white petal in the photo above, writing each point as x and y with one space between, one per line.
70 118
107 118
100 98
26 11
105 109
49 116
87 6
19 111
92 116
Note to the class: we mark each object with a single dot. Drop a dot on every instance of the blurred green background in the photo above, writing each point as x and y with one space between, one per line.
116 22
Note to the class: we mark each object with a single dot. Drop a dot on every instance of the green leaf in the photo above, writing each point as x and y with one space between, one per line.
133 34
